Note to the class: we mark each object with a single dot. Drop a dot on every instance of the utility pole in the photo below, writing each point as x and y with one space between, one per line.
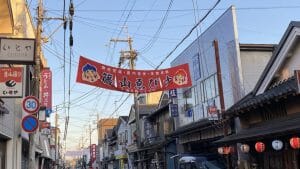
90 132
131 55
37 67
56 145
221 93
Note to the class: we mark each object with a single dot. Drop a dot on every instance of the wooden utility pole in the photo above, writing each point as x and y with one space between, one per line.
37 67
56 145
131 55
90 132
221 93
219 76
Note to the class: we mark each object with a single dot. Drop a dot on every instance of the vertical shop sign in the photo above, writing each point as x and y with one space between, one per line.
11 82
46 90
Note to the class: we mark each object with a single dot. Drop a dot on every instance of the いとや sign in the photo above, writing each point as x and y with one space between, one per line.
31 104
17 50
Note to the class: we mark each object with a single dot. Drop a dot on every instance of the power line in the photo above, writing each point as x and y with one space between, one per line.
185 10
155 36
145 16
188 34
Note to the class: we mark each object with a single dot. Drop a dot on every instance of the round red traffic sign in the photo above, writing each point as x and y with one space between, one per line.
30 123
31 104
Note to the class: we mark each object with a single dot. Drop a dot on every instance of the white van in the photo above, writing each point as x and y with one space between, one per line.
199 162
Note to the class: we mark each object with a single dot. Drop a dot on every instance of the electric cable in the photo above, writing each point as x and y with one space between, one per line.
149 44
188 34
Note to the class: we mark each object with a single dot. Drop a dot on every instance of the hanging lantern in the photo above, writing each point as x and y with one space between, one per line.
260 147
277 144
224 150
220 150
245 148
295 142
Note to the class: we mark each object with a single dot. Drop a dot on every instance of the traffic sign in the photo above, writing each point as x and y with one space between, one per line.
31 104
30 123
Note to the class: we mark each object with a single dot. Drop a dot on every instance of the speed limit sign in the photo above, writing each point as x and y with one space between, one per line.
31 104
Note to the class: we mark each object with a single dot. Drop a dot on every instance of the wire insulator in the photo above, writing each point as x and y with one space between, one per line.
71 25
65 23
71 9
71 40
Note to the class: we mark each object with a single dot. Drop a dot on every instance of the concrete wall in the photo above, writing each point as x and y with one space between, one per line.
253 64
291 63
200 55
103 125
121 132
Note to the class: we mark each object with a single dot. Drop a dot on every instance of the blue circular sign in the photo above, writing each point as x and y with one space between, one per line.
30 123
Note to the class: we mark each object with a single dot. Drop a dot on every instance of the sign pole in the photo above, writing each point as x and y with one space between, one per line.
31 163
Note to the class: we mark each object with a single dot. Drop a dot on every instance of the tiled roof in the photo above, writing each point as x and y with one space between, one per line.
288 125
192 127
277 91
147 108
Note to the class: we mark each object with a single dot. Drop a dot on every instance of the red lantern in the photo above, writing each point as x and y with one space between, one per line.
224 150
295 142
260 147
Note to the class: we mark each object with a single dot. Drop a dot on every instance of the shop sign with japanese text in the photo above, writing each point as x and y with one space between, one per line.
17 50
44 125
11 82
46 88
174 110
132 81
93 152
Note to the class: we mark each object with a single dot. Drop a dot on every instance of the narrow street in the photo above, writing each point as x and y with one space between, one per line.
149 84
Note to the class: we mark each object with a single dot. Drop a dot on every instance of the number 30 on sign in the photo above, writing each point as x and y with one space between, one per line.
31 104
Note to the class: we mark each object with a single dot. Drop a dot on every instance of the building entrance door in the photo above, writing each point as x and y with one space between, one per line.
2 153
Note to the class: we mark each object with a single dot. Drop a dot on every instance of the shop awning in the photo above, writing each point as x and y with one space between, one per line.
273 128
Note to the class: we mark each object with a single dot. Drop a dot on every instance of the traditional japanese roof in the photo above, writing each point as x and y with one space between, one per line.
146 109
286 42
192 127
158 111
288 125
125 118
143 109
275 92
256 47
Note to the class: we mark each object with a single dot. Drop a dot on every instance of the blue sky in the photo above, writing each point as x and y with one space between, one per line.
97 21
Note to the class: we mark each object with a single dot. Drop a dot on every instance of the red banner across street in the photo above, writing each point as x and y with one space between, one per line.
132 81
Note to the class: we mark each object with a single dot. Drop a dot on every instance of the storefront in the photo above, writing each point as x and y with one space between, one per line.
270 130
2 152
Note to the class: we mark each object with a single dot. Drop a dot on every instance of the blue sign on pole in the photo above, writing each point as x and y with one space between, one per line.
174 110
48 111
30 123
189 113
173 93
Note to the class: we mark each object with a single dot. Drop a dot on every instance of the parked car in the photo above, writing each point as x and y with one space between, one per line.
200 162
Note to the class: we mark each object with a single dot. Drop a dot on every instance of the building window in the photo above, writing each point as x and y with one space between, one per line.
142 99
126 136
196 67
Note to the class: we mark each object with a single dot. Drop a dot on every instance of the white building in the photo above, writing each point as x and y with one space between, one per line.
199 107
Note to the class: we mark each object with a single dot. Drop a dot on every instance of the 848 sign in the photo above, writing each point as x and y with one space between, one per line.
31 104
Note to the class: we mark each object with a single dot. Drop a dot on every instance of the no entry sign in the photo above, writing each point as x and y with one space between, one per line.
30 123
31 104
